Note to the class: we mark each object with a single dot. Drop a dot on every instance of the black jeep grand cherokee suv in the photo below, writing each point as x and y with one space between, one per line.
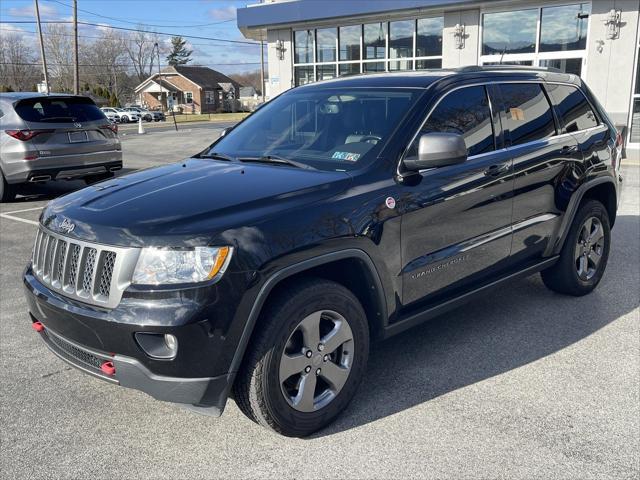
340 212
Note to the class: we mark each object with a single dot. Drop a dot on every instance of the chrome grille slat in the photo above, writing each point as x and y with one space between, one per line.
89 272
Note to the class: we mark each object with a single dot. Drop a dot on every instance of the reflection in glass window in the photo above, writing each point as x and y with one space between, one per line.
573 108
527 63
303 46
401 39
529 114
326 44
509 32
375 40
326 72
564 27
467 113
303 75
429 37
349 69
638 75
373 66
425 64
567 65
350 42
635 122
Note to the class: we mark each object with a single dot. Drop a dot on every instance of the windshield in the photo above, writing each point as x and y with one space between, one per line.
324 129
58 109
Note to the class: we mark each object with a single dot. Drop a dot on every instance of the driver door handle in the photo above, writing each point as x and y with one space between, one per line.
496 170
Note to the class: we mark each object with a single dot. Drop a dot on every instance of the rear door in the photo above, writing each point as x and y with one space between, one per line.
69 126
456 230
543 158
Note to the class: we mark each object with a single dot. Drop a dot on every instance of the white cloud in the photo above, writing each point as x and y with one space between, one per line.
46 11
225 13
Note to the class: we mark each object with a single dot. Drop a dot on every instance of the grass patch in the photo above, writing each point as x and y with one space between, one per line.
209 117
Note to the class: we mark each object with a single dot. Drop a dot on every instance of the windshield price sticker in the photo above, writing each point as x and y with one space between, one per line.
348 156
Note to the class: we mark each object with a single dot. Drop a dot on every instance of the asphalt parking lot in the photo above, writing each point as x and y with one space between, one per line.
521 384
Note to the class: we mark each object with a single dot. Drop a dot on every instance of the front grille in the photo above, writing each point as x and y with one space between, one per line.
88 272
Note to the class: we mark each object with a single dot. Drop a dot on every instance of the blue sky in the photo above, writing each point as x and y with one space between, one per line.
203 18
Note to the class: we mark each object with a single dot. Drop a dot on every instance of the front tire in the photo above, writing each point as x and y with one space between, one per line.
124 119
305 362
585 253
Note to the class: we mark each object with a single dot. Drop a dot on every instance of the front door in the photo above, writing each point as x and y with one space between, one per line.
456 229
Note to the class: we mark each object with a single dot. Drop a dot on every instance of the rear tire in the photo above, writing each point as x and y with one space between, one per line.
584 256
287 382
7 191
124 119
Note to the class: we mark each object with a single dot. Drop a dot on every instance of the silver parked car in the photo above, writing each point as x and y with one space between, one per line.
54 137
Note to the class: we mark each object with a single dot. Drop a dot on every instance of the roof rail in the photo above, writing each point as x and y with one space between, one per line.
484 68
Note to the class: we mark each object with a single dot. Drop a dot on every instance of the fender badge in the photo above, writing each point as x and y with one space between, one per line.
390 202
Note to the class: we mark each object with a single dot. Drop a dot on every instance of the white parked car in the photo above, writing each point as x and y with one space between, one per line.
127 116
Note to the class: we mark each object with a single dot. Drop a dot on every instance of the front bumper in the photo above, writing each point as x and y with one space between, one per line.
87 337
130 373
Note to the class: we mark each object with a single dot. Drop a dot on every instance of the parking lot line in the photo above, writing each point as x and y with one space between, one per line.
24 210
8 216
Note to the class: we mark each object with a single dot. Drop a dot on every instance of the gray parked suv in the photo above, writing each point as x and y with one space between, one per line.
54 137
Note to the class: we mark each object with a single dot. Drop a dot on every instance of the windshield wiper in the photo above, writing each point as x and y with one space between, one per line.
216 156
277 160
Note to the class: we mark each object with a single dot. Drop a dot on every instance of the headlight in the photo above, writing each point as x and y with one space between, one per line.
158 266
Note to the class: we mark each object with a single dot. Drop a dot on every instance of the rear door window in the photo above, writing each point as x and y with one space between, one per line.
466 112
58 110
573 108
528 112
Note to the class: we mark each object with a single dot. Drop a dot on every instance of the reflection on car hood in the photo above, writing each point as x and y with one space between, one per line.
188 202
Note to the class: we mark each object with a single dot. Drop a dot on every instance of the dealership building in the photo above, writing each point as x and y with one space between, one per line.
314 40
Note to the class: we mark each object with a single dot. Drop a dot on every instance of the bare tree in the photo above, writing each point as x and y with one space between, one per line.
59 52
18 63
248 79
106 62
140 48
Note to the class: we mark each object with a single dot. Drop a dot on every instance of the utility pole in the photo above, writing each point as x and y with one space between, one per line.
157 47
76 71
44 60
262 68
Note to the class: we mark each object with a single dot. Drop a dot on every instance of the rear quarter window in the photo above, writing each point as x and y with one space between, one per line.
528 111
573 108
58 110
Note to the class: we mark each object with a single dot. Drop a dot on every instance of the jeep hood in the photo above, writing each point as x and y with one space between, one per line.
187 203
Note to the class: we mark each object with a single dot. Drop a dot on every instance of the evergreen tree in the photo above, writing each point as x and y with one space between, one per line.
179 54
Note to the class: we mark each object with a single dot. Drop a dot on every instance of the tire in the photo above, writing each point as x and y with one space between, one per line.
585 253
124 119
148 118
263 389
7 191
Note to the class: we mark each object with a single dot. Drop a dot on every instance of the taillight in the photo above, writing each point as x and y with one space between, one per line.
24 135
112 126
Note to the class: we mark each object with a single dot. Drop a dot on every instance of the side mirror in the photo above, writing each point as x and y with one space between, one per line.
438 150
225 131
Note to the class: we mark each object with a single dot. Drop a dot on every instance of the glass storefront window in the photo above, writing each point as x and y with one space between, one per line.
429 37
401 40
326 44
375 35
527 63
373 67
303 75
326 72
349 69
567 65
350 42
303 46
635 122
509 32
424 64
564 28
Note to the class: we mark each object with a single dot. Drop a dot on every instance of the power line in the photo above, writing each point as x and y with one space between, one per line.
60 34
142 23
125 64
136 30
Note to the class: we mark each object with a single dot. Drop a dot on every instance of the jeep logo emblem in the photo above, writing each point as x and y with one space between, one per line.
67 226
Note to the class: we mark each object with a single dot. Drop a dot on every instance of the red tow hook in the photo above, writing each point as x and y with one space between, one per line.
37 326
108 368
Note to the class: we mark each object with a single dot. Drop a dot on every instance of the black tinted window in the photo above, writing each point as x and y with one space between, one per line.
62 109
528 112
467 113
573 107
